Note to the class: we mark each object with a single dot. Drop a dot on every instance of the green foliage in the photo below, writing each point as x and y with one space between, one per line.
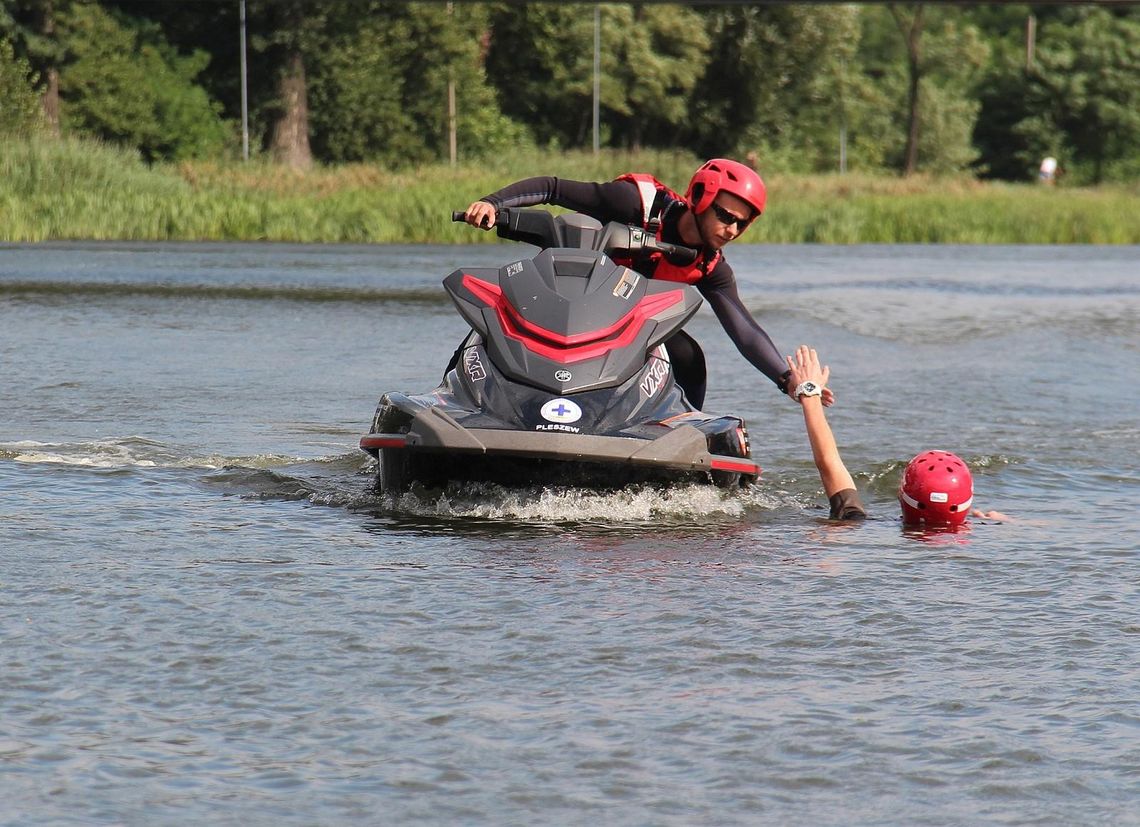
74 189
68 188
126 85
853 210
779 82
952 55
1004 151
541 58
20 112
377 70
22 22
361 74
1079 101
1084 93
454 33
658 52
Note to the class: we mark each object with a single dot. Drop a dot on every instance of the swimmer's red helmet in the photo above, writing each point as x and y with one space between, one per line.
937 489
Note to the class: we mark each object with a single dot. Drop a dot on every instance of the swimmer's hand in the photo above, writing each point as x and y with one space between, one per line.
990 515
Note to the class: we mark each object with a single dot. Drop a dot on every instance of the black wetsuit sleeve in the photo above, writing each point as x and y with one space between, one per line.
846 505
719 289
609 201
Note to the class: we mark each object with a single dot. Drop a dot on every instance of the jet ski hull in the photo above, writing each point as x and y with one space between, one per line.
563 379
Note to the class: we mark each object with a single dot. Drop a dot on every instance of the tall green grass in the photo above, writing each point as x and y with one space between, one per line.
85 190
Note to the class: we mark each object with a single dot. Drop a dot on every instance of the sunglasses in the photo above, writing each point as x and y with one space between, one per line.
728 219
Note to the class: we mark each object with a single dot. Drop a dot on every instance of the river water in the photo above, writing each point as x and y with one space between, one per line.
207 617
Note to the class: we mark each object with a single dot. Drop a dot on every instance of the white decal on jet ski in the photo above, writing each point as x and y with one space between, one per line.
563 375
624 288
514 269
653 379
555 427
562 411
474 366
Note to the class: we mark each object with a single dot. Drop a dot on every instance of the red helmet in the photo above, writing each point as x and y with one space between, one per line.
722 175
936 489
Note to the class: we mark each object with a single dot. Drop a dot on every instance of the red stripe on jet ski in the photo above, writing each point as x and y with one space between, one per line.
569 349
742 466
383 441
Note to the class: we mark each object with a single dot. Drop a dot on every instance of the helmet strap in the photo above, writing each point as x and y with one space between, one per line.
691 216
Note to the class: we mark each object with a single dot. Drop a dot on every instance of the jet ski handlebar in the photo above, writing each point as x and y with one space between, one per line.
538 227
645 241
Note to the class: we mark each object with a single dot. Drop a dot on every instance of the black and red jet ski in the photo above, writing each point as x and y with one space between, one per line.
564 378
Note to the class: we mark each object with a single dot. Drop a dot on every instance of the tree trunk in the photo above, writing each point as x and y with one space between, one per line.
49 100
911 163
290 144
912 33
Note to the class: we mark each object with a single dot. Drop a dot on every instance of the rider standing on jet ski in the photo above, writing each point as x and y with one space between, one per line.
722 199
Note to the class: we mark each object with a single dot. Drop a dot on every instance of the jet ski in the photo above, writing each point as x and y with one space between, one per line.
564 378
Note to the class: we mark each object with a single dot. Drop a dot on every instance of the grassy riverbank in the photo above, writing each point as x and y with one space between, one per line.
81 190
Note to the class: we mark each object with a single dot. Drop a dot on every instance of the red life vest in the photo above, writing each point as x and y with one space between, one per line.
655 197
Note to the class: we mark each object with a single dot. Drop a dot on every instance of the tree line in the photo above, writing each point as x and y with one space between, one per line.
987 89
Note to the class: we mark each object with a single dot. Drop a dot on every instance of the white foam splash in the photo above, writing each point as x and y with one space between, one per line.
637 503
129 452
91 462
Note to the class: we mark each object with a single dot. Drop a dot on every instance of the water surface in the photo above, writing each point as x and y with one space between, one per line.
208 616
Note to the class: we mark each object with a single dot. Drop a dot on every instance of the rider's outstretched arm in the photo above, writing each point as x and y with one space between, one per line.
605 201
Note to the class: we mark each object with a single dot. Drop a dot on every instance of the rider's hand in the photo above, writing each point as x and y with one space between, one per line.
481 214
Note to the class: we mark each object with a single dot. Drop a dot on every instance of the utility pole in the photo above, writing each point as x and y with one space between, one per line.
452 130
842 84
244 94
452 126
1030 41
597 76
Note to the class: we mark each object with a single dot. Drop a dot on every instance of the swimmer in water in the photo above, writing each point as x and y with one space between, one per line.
937 491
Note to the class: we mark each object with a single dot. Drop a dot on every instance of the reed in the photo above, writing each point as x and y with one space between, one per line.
85 190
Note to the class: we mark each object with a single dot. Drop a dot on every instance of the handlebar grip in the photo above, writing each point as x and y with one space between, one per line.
457 215
677 253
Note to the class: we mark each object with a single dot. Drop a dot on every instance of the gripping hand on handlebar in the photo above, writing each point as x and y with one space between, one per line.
480 214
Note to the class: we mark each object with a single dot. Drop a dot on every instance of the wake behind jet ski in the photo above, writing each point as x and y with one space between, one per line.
564 378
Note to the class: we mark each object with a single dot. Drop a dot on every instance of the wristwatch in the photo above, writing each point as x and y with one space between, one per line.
808 388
